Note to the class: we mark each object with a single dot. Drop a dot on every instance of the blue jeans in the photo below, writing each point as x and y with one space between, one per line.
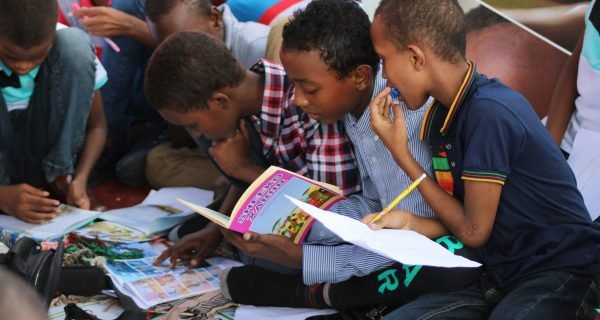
125 104
42 142
121 95
546 295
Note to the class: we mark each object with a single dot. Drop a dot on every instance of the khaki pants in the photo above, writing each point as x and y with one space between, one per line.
179 167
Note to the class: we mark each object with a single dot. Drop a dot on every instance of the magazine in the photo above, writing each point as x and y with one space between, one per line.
69 219
264 209
160 210
113 232
150 285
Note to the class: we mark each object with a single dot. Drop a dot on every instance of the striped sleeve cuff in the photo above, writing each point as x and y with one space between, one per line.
484 176
319 263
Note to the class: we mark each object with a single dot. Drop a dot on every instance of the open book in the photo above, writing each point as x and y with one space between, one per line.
69 219
263 208
160 210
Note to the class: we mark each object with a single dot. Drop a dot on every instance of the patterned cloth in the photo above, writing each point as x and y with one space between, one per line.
300 144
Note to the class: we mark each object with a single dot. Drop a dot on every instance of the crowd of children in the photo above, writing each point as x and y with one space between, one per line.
498 187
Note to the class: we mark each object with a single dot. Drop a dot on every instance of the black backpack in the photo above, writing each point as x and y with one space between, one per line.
41 269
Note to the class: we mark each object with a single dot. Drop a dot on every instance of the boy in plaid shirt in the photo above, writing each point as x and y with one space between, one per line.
244 121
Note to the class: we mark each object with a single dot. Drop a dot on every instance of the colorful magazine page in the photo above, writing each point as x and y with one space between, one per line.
149 285
264 209
112 232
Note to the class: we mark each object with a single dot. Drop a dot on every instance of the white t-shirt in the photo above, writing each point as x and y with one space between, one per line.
587 105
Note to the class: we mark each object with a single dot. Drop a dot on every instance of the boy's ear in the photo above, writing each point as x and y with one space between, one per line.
417 57
216 18
362 76
219 100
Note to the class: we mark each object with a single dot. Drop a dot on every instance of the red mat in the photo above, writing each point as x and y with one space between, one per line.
117 195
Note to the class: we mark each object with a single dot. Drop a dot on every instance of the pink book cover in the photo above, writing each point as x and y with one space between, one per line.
264 209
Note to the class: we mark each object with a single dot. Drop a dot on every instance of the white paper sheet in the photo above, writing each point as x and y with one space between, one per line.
270 313
169 196
404 246
585 162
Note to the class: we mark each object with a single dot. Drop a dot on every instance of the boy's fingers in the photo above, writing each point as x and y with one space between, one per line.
87 11
37 217
34 191
42 202
162 257
398 112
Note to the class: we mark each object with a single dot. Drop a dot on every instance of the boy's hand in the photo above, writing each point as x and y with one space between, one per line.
392 132
395 219
193 247
105 21
77 195
233 154
270 247
27 203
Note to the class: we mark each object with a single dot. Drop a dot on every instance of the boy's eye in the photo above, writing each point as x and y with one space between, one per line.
310 92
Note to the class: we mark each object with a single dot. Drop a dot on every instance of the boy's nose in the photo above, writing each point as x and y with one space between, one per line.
300 100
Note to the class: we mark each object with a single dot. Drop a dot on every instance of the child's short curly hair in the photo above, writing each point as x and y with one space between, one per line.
186 69
440 24
338 29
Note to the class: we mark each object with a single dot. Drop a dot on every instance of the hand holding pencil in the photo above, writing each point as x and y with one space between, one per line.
399 198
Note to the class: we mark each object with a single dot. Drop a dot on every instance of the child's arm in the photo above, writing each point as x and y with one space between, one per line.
94 143
233 156
27 203
472 222
562 104
110 22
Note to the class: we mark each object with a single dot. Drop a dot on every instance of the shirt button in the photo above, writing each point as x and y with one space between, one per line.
374 159
453 164
448 146
376 138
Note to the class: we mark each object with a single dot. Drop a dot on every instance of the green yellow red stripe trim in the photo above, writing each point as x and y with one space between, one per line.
484 176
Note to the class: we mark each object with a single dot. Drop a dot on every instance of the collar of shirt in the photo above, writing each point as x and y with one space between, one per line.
364 122
594 15
17 98
439 119
31 75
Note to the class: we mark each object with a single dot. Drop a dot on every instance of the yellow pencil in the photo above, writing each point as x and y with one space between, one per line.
399 197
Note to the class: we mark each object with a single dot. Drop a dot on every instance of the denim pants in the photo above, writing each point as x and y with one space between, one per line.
123 94
546 295
42 142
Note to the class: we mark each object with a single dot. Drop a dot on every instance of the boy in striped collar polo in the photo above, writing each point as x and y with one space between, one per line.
512 196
